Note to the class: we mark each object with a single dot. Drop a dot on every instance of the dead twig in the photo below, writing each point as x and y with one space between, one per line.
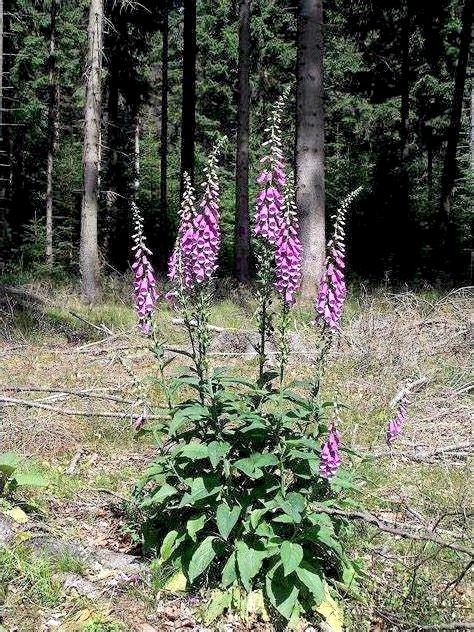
67 411
62 391
464 448
394 528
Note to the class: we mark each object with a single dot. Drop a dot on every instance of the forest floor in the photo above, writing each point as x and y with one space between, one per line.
69 375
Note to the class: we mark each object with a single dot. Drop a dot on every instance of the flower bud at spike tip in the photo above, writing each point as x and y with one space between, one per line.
144 284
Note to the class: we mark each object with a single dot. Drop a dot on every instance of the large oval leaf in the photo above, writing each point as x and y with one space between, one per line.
226 519
201 558
291 555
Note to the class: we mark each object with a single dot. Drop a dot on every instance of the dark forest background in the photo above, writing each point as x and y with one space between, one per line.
390 79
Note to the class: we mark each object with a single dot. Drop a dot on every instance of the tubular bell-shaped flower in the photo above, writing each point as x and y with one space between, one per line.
144 283
332 290
288 249
272 179
180 262
330 455
194 258
395 425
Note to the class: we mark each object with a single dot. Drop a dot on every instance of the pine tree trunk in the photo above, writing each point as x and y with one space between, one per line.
89 250
242 221
402 244
471 142
164 133
310 194
449 168
53 114
188 118
113 177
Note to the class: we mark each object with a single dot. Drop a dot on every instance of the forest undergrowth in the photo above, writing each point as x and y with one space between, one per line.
73 376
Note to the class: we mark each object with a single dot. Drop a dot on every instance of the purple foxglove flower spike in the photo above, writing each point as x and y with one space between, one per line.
332 289
144 284
395 425
180 263
288 249
272 179
194 259
330 455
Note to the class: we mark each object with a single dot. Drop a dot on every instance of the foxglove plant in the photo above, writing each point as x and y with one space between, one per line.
193 261
276 232
144 284
232 497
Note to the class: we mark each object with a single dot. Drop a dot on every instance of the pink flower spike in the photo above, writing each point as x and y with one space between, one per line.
144 283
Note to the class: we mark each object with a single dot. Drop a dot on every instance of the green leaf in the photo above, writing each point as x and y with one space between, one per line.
249 562
168 545
193 451
195 525
164 492
282 593
201 487
229 572
291 555
226 519
218 603
252 465
195 412
247 466
256 515
312 580
30 479
201 558
324 536
217 450
9 461
292 505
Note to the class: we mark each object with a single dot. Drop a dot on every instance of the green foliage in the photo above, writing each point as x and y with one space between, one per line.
12 476
231 498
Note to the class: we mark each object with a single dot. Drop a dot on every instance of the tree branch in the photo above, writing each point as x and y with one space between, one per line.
394 528
11 401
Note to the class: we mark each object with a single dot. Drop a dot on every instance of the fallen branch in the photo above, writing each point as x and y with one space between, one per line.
221 330
394 528
465 448
11 401
62 391
456 625
409 389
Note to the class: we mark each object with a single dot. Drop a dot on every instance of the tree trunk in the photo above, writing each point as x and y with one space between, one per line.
405 86
136 157
310 142
472 101
242 221
188 118
164 133
53 114
113 175
89 251
449 169
402 233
